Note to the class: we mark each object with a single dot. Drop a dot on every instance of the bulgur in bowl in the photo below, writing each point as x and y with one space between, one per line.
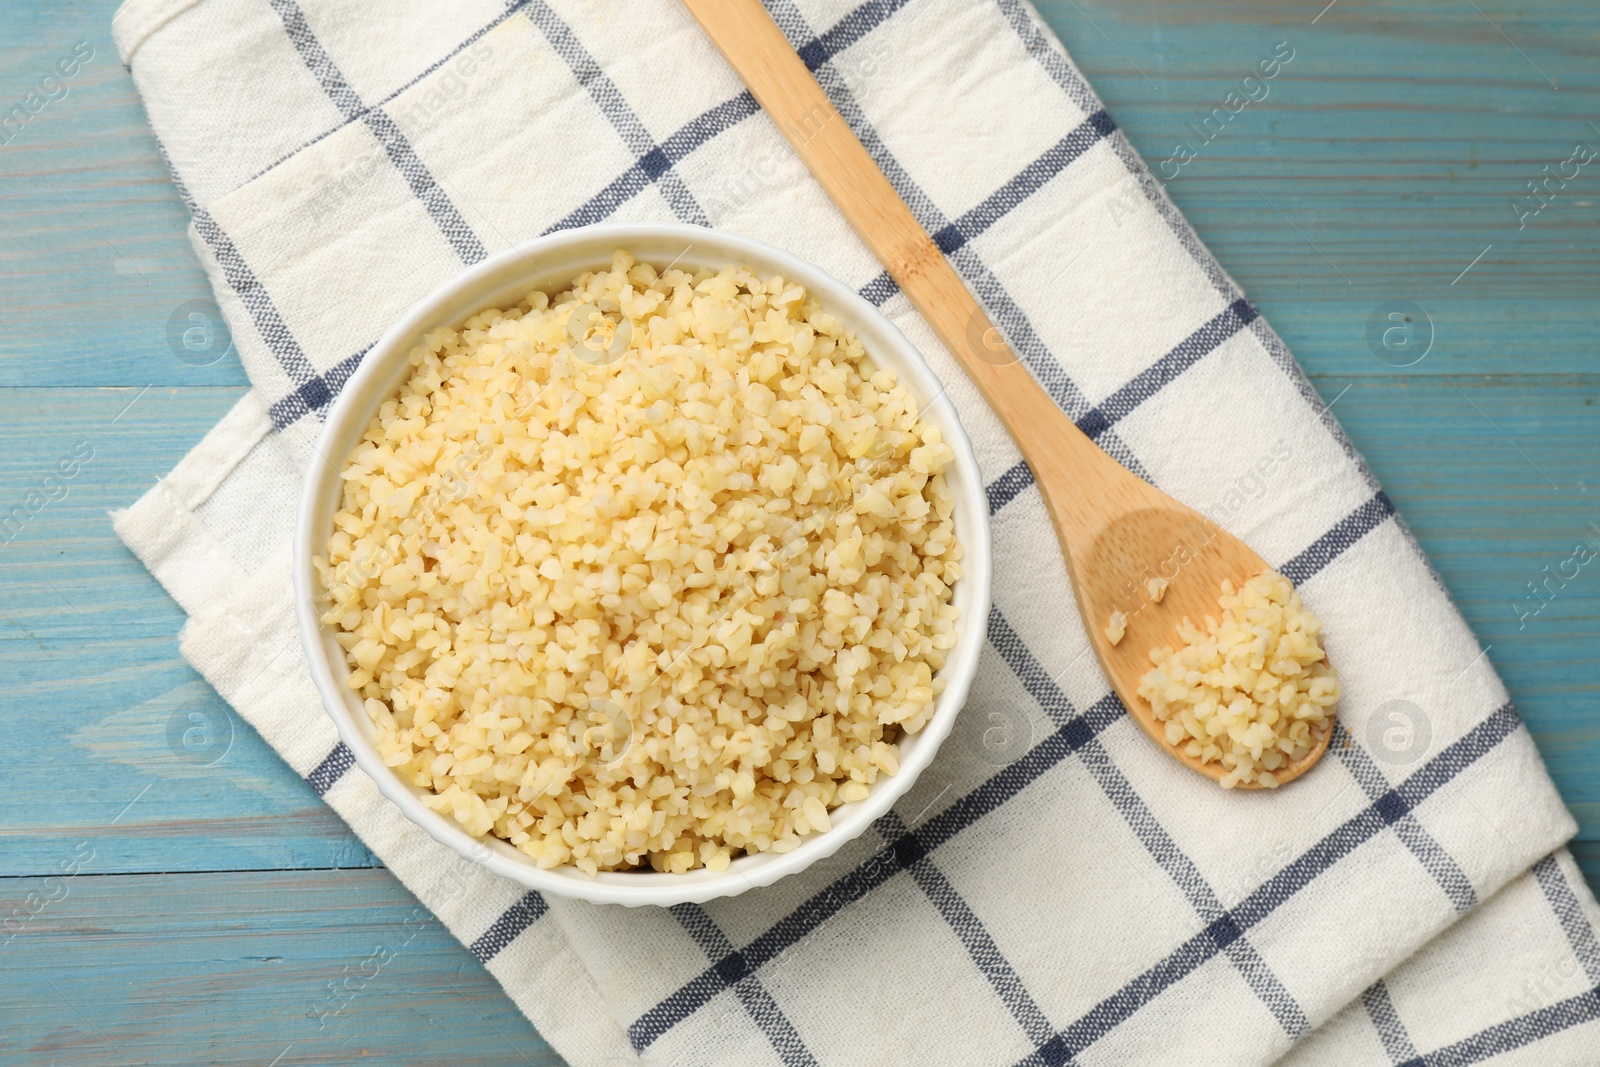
643 564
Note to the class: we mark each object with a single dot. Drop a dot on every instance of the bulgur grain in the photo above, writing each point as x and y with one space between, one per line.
1253 692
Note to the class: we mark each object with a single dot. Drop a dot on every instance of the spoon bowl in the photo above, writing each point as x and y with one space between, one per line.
1194 556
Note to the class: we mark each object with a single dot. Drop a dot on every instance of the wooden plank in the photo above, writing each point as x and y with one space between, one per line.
1490 524
1394 142
95 682
94 250
283 968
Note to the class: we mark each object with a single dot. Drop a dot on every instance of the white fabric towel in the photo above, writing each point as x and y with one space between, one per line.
1055 889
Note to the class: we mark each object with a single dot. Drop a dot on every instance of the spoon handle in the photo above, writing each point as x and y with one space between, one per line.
755 46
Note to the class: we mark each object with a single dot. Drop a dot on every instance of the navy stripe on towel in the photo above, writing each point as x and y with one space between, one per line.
785 1039
1348 531
615 108
1383 812
331 769
954 236
470 40
879 290
1391 1031
1004 489
1433 857
253 295
423 186
653 163
998 204
1497 1040
317 60
972 934
316 394
1569 913
657 160
517 918
1106 414
1262 903
1159 844
847 31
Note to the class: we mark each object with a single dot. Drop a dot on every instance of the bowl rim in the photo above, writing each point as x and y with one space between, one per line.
648 888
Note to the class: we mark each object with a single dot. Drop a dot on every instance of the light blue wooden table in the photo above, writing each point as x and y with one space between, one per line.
216 902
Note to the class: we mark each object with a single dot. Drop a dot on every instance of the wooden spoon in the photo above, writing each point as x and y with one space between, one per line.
1116 530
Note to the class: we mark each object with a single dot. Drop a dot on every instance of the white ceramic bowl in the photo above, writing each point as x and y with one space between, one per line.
503 280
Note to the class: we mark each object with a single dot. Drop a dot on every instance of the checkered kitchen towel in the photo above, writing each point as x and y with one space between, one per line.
1055 889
